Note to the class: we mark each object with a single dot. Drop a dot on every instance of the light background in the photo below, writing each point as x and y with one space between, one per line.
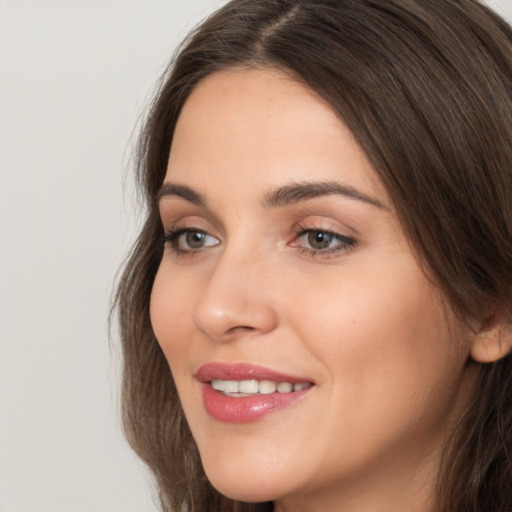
74 78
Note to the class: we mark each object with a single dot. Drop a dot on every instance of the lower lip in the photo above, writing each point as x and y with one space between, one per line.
246 409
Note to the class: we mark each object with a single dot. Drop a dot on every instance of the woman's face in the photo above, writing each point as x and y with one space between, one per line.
285 267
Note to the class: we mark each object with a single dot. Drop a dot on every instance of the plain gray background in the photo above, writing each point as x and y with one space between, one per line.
74 78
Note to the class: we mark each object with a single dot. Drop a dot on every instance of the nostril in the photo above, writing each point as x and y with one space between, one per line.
242 328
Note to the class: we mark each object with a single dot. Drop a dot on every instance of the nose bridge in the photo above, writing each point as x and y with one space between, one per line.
236 299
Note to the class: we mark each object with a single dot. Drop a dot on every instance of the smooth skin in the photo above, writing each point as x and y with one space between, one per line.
326 288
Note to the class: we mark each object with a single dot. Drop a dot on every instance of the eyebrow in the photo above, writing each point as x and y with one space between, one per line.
283 196
297 192
175 190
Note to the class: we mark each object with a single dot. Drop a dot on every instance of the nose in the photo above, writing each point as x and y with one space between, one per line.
236 301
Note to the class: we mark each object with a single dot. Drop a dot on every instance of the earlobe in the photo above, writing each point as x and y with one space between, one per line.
492 342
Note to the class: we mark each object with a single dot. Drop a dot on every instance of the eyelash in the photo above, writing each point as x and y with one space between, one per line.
344 243
172 238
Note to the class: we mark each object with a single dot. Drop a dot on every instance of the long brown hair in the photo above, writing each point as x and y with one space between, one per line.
426 88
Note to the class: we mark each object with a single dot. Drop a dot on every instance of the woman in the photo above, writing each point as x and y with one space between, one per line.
317 313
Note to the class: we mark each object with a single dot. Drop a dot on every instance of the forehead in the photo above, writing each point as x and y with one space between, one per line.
261 124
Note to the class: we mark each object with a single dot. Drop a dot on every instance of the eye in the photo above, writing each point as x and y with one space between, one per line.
319 240
187 240
322 242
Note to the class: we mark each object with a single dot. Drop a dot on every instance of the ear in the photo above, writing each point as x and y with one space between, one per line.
493 340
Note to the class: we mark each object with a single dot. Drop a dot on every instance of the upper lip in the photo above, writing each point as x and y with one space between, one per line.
243 371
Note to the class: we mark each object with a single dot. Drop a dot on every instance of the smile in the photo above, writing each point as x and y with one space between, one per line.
244 393
253 387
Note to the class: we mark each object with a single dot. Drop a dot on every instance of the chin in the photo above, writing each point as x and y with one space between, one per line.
251 483
244 490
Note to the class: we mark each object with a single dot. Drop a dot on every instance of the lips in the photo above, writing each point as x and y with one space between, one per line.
242 393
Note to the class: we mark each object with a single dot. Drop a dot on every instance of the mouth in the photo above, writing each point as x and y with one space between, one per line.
253 387
243 393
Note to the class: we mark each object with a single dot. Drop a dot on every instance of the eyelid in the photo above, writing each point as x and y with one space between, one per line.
172 237
345 242
173 219
341 242
177 212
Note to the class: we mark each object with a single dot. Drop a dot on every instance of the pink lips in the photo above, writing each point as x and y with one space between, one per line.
244 409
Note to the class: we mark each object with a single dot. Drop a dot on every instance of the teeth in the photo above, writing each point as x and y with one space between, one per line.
267 387
284 387
253 387
248 386
217 384
231 386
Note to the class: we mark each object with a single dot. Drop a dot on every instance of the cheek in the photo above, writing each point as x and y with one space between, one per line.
393 372
170 306
363 308
382 334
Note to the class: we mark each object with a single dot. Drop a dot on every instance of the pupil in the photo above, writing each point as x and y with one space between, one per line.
319 240
195 239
